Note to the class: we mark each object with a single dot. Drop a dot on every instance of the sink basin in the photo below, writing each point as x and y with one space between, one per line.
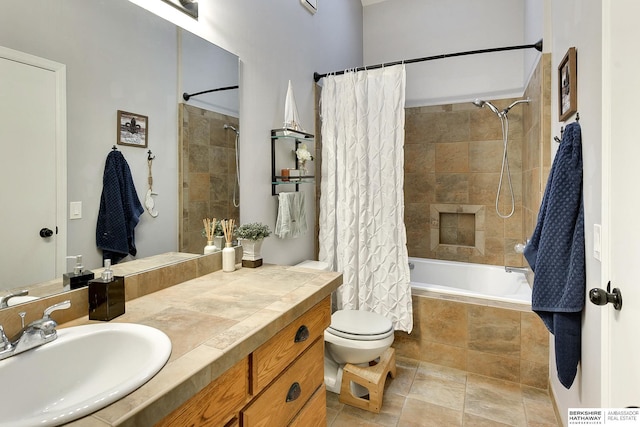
85 369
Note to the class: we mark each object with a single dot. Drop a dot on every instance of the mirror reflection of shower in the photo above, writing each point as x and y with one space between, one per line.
236 187
504 120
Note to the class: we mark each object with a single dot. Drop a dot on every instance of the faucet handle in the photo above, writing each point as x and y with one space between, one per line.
59 306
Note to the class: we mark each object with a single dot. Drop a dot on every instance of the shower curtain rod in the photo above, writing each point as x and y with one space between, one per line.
537 46
186 95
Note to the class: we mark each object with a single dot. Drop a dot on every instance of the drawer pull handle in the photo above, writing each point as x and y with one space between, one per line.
294 392
302 334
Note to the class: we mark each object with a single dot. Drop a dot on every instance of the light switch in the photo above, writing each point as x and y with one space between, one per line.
75 210
597 241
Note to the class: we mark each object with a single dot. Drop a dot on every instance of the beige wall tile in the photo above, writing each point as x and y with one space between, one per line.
443 322
494 366
494 330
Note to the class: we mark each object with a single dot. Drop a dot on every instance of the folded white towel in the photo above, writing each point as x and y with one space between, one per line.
292 217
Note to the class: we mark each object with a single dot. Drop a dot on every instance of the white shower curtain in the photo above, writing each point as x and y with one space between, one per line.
362 232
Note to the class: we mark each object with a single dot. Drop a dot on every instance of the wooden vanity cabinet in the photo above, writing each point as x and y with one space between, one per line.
281 383
218 404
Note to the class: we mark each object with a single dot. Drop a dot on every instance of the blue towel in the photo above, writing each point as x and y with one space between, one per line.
556 254
120 210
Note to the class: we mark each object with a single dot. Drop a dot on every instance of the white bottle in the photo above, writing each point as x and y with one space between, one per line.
210 248
228 258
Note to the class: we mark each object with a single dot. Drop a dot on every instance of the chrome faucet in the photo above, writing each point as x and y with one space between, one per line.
35 334
523 270
4 301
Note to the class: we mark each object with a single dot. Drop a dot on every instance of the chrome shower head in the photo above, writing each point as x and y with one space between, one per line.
506 110
227 126
480 103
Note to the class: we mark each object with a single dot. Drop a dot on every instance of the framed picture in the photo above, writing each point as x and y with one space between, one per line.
568 85
311 5
132 129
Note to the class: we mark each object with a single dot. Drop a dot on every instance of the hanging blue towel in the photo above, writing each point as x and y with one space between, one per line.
556 254
120 210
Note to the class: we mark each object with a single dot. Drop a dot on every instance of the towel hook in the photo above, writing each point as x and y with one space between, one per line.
149 157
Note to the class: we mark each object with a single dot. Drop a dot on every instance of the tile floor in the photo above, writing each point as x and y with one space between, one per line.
424 394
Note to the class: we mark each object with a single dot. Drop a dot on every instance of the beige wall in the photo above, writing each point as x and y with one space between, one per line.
207 169
453 158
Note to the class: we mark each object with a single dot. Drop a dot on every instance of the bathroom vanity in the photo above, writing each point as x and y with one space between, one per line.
247 349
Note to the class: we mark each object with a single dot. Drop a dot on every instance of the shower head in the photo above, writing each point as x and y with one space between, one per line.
506 110
480 103
226 126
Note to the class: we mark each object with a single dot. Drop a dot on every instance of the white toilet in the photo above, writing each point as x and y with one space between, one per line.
354 336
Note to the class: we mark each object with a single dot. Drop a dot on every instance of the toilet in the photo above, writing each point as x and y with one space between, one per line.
354 336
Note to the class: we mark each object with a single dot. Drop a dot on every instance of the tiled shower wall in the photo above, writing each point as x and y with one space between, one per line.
207 173
536 151
453 158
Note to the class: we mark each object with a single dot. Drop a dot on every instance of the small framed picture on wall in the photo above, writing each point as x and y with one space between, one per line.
568 85
132 129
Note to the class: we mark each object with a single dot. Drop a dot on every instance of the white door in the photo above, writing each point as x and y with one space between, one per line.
31 115
621 213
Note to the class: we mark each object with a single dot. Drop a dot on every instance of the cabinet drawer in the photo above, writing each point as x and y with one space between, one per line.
277 353
215 404
283 399
314 413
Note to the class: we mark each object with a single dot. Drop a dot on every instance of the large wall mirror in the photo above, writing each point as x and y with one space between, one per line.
116 56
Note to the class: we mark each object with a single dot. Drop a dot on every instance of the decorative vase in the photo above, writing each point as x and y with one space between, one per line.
251 252
219 242
210 248
228 258
303 169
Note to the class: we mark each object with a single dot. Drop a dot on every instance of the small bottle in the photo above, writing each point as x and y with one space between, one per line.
228 258
106 295
210 248
77 278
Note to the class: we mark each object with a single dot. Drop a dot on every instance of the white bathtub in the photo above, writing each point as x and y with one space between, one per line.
476 283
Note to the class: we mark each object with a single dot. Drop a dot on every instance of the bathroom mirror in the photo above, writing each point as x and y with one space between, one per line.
119 56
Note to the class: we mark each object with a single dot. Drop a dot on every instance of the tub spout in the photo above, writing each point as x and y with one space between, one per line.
509 269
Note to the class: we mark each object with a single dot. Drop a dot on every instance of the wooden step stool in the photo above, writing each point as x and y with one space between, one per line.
370 377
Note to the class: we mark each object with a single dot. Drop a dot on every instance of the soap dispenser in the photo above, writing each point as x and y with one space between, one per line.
78 277
106 295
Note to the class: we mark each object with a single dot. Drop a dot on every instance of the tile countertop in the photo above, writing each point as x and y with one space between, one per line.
213 321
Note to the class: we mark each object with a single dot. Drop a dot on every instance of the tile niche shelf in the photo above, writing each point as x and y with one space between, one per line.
284 143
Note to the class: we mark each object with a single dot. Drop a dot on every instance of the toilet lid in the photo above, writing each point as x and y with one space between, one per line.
358 324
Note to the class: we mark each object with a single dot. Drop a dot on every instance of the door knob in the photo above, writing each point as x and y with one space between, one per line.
46 232
601 297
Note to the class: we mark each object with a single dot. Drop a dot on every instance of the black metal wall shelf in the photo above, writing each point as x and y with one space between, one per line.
294 137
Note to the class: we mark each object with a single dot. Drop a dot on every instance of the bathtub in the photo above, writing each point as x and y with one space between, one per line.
474 283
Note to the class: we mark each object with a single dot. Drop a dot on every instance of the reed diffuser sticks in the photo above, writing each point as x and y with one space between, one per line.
209 228
228 227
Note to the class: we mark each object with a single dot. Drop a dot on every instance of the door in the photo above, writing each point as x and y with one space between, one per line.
31 114
621 213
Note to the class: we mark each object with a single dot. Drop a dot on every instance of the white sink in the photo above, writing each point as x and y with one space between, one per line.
85 369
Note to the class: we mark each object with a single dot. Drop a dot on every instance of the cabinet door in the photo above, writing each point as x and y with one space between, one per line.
314 413
216 404
276 354
283 399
